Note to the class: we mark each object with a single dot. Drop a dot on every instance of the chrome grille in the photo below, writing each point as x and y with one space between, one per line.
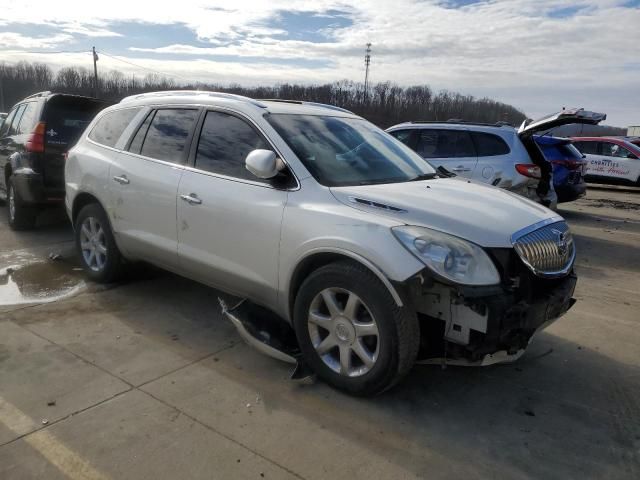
548 250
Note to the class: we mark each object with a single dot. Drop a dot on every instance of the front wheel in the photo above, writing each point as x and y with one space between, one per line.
99 254
351 332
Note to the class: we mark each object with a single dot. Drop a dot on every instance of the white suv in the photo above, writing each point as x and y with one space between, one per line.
353 256
496 154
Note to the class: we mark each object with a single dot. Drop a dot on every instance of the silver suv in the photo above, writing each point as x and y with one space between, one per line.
496 154
353 257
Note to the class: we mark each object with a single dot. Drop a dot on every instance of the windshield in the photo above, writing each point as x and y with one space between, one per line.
348 151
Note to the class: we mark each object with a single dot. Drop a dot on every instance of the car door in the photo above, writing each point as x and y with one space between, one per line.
618 162
452 149
144 182
229 221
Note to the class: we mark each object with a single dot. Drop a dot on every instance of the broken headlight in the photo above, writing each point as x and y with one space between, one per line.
450 257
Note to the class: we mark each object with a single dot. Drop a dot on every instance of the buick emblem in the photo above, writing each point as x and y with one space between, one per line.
561 241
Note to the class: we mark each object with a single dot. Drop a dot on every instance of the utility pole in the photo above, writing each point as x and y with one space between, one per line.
95 73
367 60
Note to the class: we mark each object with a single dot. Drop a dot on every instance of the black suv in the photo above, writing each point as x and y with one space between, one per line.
34 140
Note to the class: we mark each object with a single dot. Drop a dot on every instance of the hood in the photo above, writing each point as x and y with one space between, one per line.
565 117
482 214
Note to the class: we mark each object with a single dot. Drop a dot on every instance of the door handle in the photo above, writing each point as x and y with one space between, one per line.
461 168
191 199
122 180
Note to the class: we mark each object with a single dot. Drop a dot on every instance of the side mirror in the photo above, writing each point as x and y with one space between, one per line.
632 156
263 163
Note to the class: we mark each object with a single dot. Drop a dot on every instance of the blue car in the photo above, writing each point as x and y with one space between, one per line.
568 166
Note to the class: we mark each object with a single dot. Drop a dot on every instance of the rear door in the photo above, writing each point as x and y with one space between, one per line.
229 221
144 182
452 149
565 117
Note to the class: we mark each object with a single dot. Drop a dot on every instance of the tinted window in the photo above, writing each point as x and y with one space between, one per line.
109 128
13 128
403 135
587 147
28 120
7 122
67 117
225 142
614 150
138 139
445 144
167 135
488 145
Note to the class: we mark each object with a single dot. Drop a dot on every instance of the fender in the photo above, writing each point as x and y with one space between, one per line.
358 258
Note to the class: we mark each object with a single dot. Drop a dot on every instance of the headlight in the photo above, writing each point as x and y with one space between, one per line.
450 257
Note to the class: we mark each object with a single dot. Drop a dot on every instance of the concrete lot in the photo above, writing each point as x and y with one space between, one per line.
145 380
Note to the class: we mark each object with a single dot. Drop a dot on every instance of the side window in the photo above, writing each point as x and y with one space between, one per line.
28 120
488 145
7 122
614 150
403 135
138 138
225 141
445 144
13 128
109 128
590 148
167 135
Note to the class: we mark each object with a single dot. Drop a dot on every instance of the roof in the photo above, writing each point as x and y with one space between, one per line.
239 102
617 140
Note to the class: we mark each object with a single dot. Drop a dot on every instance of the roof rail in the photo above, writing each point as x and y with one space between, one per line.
313 104
39 94
331 107
230 96
464 122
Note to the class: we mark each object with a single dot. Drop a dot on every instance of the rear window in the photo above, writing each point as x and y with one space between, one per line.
489 145
167 135
109 128
67 117
561 152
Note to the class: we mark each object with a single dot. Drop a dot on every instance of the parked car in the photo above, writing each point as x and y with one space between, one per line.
33 142
568 166
496 154
340 235
610 160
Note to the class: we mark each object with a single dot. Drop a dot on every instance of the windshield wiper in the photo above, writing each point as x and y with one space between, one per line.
422 176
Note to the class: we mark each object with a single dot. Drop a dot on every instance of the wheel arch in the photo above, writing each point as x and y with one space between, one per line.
80 201
321 257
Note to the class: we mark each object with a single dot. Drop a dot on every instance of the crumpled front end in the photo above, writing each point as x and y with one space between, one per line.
485 325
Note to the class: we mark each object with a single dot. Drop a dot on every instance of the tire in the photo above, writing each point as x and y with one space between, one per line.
93 234
390 352
20 215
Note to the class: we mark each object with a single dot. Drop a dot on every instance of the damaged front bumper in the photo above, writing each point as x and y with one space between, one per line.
481 326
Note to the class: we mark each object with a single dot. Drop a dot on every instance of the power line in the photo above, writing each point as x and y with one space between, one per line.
102 52
47 52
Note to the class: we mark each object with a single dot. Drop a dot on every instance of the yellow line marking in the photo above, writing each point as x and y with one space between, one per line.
57 453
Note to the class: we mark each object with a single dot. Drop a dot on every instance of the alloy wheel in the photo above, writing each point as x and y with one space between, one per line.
11 200
343 332
93 244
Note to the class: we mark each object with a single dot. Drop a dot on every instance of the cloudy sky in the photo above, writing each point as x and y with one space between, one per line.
538 55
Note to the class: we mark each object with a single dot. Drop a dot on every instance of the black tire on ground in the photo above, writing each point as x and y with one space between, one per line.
21 216
399 331
113 265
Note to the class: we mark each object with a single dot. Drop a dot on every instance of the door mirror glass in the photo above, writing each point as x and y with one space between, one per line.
263 163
